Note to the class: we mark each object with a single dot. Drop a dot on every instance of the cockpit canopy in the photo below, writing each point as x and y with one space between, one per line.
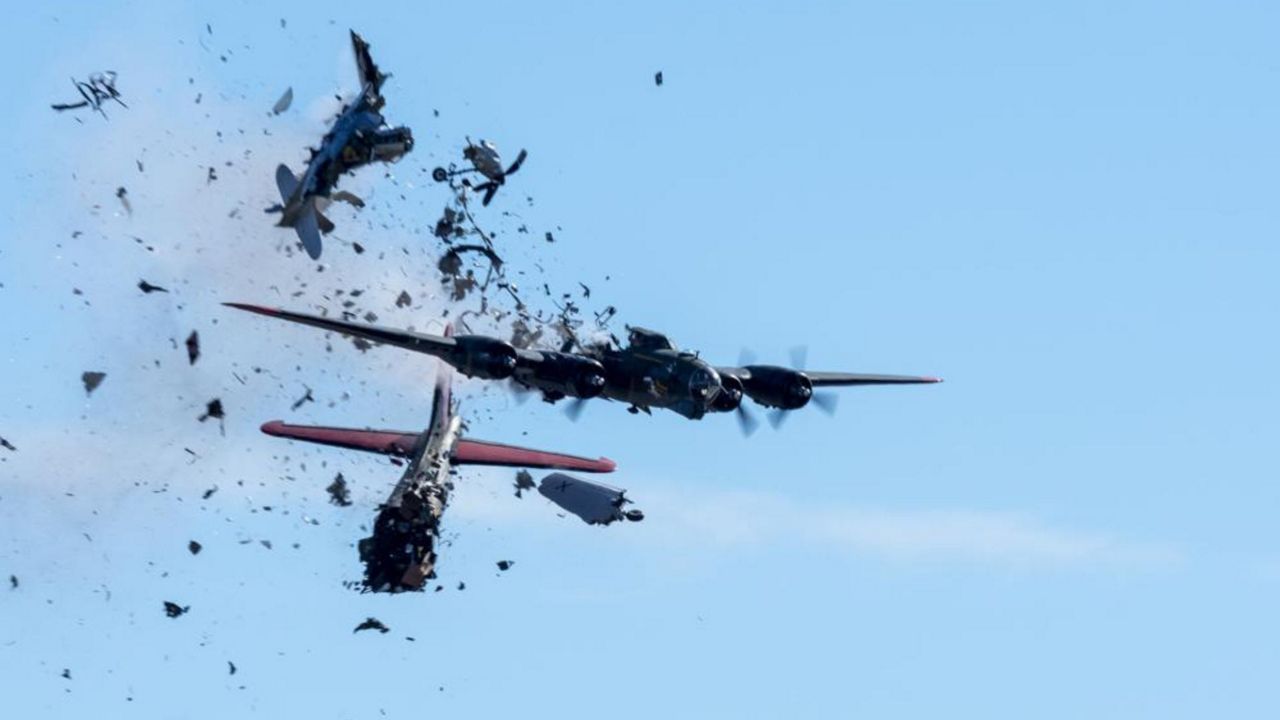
642 339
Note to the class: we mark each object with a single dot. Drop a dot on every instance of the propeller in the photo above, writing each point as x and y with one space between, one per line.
490 189
826 401
799 357
747 421
777 416
573 410
519 161
521 393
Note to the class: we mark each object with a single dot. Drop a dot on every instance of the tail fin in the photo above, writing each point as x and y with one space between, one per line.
308 222
286 181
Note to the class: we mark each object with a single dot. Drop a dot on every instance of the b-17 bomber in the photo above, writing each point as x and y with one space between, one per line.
650 372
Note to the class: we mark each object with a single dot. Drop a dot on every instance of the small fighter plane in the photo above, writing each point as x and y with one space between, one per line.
359 136
649 373
485 160
400 555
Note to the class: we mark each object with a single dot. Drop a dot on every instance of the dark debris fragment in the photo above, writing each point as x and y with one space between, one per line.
194 547
213 409
403 299
92 380
209 493
174 610
148 288
7 445
372 624
231 668
13 582
339 493
524 481
657 78
193 347
306 398
123 196
505 565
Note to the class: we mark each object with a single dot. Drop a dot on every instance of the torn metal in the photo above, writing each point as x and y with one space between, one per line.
94 93
92 380
595 503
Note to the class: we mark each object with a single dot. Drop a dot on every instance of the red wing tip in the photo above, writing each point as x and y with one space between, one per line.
607 465
274 427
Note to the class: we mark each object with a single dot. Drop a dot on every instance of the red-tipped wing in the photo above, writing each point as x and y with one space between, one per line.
480 452
387 442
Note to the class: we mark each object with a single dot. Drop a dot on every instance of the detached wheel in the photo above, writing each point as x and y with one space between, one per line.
439 174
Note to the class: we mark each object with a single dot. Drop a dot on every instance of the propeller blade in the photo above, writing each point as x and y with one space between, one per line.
574 409
489 192
747 421
521 393
519 161
777 417
746 357
800 357
826 401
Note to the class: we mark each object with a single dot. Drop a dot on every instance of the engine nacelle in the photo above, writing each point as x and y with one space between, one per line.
730 396
562 375
778 387
483 357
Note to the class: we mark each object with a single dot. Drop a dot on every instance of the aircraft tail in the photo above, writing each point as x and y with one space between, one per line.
308 222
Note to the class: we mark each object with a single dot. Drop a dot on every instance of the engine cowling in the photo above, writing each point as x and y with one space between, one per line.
730 396
483 357
778 387
563 374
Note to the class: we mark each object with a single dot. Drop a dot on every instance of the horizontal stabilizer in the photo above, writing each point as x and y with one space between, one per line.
386 442
479 452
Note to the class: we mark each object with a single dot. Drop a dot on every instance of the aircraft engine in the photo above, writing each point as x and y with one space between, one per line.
778 387
730 396
483 357
563 374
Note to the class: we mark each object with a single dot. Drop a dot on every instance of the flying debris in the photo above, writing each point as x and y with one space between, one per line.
123 196
595 503
174 610
92 380
148 288
651 372
194 547
283 103
13 582
505 565
7 445
400 554
657 78
524 481
193 347
372 624
484 159
94 92
339 493
359 136
306 398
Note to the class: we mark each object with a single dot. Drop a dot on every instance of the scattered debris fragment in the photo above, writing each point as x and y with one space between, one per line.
231 668
123 196
595 503
194 547
213 409
524 481
505 565
372 624
339 493
148 288
193 347
174 610
485 160
209 493
66 673
13 582
213 175
403 300
462 585
657 78
306 398
92 380
7 445
283 103
95 91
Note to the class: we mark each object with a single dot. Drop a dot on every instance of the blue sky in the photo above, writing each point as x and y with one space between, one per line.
1065 209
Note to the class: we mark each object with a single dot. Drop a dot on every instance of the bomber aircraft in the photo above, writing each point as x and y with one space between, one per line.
651 372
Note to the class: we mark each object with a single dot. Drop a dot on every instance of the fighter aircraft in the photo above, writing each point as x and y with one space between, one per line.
358 137
400 554
485 160
651 372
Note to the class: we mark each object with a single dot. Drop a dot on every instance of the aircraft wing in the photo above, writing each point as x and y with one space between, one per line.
385 442
481 452
831 379
419 342
370 76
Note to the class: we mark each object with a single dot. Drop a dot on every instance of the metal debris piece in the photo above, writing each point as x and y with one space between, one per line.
339 493
174 610
148 288
372 624
657 78
213 409
194 547
524 481
7 445
231 668
505 565
595 503
123 196
357 247
308 397
13 582
66 673
213 175
209 493
95 91
284 102
550 238
403 299
92 380
349 198
193 347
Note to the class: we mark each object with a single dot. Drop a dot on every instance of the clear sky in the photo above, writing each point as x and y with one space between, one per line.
1065 209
